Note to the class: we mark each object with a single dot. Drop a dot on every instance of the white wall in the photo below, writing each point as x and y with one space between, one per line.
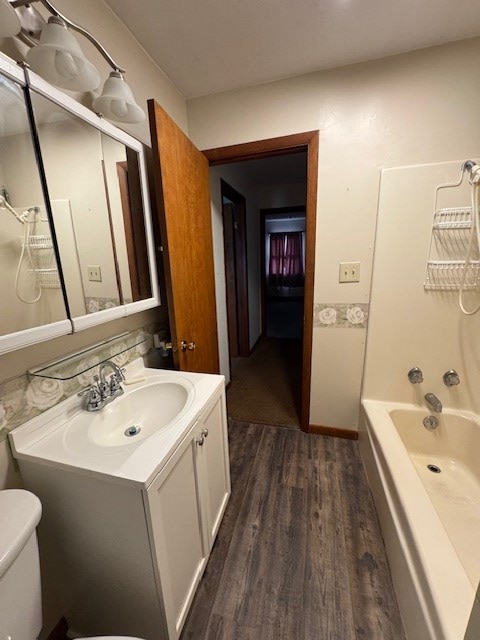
414 108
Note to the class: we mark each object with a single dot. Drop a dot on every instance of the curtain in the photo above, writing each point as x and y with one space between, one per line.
286 260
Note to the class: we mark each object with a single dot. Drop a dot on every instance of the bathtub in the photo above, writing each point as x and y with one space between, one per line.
426 487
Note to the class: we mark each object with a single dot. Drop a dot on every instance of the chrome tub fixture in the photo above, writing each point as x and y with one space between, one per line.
56 55
451 378
433 402
430 422
415 375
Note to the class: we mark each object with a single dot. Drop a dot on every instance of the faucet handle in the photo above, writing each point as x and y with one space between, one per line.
115 386
94 399
415 375
451 378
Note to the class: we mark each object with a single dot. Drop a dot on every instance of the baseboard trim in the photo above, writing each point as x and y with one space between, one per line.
349 434
59 632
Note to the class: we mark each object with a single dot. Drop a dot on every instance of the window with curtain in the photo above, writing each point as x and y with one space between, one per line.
285 267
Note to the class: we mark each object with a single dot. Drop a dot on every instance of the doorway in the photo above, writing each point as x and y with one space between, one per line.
306 143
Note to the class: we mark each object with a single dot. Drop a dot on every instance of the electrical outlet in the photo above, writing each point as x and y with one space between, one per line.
94 273
349 272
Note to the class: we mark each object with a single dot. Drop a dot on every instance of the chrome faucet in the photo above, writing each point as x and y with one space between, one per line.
113 387
102 392
433 402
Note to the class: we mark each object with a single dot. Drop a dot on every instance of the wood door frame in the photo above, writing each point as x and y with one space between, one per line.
296 143
240 267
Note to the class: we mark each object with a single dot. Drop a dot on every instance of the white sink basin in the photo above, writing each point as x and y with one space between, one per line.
136 415
160 405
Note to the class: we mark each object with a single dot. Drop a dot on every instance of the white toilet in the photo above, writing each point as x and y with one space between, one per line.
20 587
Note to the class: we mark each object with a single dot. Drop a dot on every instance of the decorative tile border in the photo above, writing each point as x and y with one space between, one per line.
25 397
99 304
344 315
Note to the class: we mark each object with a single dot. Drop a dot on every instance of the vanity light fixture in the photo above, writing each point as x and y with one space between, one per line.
59 59
117 102
56 55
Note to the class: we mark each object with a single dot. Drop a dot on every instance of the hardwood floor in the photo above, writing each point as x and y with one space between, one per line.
299 555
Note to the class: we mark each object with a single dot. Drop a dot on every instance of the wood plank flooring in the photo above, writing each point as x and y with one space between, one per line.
299 555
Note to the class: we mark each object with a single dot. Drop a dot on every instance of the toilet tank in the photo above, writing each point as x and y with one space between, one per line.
20 589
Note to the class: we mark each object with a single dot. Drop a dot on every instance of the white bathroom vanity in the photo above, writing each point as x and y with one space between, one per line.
128 524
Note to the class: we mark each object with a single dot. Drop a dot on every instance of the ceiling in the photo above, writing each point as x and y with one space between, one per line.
216 45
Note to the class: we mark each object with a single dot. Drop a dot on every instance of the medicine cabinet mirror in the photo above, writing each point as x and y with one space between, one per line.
96 200
31 296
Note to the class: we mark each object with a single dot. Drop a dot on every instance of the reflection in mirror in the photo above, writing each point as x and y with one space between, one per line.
122 178
30 290
93 183
72 156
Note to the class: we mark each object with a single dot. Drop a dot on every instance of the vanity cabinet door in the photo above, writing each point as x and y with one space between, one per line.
213 468
173 506
185 505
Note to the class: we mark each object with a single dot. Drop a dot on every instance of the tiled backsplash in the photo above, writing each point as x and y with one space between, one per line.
340 315
25 397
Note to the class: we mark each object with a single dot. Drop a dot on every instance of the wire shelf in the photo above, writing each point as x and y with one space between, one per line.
445 275
39 242
453 218
46 278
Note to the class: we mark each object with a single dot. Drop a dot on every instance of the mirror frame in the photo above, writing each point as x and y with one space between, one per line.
27 337
33 84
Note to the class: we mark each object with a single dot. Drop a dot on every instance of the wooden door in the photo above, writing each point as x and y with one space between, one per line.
182 187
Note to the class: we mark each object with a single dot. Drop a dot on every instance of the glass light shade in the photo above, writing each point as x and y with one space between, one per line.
60 60
117 102
9 21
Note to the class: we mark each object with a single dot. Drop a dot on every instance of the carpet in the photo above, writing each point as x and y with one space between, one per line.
265 387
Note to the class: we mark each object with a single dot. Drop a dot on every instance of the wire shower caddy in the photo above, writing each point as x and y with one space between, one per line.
446 266
42 261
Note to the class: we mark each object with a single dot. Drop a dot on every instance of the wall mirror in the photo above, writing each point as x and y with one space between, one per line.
95 177
76 244
31 295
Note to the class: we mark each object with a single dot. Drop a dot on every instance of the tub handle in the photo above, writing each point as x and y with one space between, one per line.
451 378
415 375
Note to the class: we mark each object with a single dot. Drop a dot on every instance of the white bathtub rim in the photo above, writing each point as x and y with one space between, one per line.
431 622
451 590
390 406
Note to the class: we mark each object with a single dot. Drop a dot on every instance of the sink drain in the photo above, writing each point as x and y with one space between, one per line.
433 468
132 431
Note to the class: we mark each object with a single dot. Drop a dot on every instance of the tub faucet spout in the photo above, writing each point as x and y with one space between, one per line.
433 402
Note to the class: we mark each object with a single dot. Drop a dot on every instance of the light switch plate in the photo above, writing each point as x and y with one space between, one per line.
94 273
349 272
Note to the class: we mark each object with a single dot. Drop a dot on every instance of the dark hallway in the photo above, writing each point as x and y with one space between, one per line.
265 387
